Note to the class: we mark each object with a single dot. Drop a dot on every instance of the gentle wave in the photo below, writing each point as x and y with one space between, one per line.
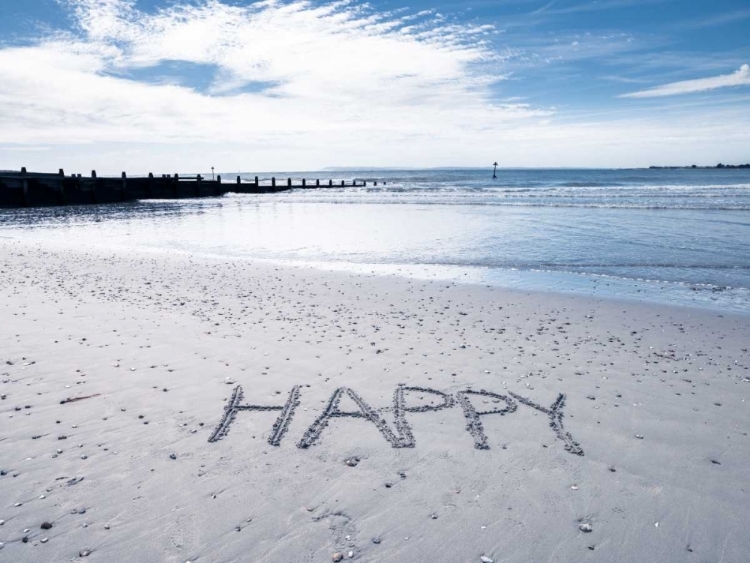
343 200
589 190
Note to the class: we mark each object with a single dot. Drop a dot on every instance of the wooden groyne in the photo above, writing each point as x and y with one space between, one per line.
31 189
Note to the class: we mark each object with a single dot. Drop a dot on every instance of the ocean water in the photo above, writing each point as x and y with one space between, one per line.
668 236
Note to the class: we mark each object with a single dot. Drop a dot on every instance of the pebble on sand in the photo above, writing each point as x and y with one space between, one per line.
485 559
585 527
336 557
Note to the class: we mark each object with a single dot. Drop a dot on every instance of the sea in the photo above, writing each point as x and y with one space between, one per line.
671 236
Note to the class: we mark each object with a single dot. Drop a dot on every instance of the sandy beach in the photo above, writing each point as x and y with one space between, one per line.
615 431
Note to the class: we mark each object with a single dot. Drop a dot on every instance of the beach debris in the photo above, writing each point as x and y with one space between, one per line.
172 456
336 557
585 527
74 481
74 399
376 540
485 559
46 525
640 437
352 461
84 552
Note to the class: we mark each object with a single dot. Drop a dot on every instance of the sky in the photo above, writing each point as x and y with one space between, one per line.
183 85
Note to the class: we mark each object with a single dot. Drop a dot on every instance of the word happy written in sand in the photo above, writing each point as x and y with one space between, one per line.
401 435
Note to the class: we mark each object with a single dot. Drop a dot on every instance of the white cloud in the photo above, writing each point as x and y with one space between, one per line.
299 85
331 69
740 77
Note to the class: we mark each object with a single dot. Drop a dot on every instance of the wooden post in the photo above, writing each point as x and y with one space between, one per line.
198 185
364 183
25 184
317 183
304 183
124 189
239 180
93 186
376 182
256 181
150 185
342 183
273 182
61 173
288 182
330 183
77 185
176 185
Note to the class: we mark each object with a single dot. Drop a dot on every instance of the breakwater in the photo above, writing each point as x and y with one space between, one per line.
33 189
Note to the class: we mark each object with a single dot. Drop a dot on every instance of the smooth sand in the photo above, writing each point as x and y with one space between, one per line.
656 397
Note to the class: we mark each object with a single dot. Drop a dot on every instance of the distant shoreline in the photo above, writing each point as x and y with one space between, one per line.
718 166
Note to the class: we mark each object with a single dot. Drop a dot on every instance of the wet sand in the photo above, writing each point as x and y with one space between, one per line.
132 431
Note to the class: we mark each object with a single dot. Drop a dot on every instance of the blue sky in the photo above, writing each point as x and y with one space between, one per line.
122 84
